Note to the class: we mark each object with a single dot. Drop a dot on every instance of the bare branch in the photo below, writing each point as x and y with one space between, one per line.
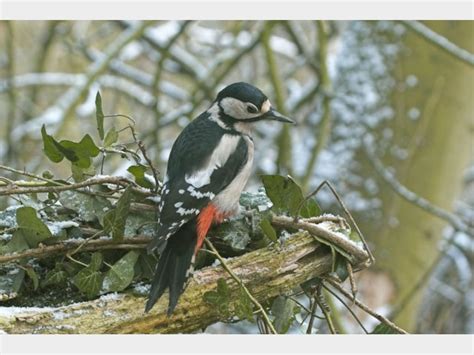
409 195
364 307
440 41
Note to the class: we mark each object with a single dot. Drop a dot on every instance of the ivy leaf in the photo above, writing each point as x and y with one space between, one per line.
283 309
147 265
57 276
50 148
88 207
89 280
10 284
287 196
111 137
96 261
244 308
16 244
384 329
115 220
138 171
341 268
80 153
121 273
220 298
30 227
310 209
33 276
99 114
268 230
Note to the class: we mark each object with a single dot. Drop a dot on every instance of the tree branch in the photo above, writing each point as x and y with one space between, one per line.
440 41
410 196
266 273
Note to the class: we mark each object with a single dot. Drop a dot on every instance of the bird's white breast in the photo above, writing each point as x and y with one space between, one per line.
219 157
227 201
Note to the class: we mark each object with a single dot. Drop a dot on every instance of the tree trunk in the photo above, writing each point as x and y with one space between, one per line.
433 128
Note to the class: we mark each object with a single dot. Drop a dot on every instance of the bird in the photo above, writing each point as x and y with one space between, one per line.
208 168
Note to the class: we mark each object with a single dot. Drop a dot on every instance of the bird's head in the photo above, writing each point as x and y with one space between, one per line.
242 103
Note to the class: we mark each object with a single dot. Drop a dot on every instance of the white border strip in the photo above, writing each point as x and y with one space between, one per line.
223 344
236 10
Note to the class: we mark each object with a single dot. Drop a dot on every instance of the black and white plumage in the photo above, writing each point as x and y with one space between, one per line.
209 165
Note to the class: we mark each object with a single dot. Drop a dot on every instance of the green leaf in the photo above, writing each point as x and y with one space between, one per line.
115 220
121 273
138 171
268 230
96 261
99 114
283 309
88 281
30 227
50 148
341 268
80 174
384 329
16 244
54 277
244 308
10 284
287 196
33 276
147 265
219 298
80 153
88 207
111 137
310 209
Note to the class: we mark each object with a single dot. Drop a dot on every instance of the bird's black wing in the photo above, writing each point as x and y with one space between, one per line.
195 176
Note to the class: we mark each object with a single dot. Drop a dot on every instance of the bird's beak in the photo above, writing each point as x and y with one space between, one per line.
277 116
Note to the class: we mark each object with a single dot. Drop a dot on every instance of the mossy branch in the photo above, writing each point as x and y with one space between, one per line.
266 273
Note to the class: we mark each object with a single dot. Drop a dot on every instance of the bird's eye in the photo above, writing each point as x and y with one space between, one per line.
252 109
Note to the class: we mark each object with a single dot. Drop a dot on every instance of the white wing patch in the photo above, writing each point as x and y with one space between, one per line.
227 145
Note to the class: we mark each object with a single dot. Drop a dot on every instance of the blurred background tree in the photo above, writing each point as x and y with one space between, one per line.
380 94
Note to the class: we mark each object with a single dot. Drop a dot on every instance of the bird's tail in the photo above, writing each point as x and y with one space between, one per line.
174 266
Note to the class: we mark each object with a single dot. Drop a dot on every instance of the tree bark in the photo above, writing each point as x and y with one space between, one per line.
433 127
267 272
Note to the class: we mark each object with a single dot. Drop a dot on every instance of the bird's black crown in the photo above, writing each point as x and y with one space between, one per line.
243 92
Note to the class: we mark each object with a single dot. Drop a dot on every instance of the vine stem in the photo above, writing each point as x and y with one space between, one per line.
364 307
239 281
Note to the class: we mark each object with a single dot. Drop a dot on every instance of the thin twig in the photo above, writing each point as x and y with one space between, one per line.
357 254
350 272
344 208
312 312
240 282
440 41
142 148
44 251
15 190
284 138
324 130
364 307
347 307
319 299
410 196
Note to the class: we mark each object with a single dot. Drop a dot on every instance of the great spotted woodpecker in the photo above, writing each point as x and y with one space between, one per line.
208 167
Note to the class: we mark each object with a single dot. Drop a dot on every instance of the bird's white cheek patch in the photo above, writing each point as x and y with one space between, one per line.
266 106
